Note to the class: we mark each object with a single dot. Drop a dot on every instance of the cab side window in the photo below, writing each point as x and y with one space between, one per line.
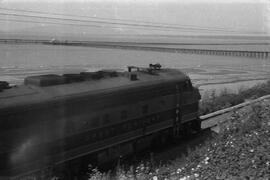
187 86
124 115
94 122
105 119
145 109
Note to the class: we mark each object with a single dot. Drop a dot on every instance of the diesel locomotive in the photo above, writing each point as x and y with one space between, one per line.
52 119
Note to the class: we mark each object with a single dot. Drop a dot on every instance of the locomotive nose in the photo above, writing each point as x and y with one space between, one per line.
197 91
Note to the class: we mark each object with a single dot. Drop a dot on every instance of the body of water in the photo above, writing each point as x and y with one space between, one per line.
19 61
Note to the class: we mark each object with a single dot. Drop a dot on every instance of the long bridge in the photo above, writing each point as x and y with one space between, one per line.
258 54
250 54
237 53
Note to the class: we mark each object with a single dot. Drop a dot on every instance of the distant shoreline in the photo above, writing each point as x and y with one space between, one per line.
146 46
84 43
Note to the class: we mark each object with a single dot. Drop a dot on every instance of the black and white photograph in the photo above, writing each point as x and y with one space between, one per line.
134 89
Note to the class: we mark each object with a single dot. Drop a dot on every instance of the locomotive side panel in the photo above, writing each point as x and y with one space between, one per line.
55 134
70 127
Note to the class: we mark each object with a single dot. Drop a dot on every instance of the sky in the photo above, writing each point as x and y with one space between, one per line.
173 17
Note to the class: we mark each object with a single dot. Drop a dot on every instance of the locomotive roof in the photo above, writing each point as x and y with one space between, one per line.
33 94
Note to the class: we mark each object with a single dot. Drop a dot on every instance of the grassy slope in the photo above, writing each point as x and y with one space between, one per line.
240 151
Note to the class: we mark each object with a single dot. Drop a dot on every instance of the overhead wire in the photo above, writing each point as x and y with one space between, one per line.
55 23
113 19
106 22
83 16
157 27
84 25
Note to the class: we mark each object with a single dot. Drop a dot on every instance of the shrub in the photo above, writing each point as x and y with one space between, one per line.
212 101
240 151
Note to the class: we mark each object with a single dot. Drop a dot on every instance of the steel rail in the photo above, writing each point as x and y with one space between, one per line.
213 119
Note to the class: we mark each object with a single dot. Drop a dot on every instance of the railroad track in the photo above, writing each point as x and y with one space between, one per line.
213 119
